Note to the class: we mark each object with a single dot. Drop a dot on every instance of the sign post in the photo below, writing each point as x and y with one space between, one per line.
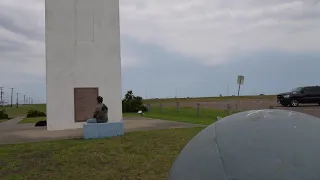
240 82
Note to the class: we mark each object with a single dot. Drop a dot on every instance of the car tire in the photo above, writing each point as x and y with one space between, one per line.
285 104
294 103
319 104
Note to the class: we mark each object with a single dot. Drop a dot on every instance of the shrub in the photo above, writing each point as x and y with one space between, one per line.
132 103
35 113
143 108
3 114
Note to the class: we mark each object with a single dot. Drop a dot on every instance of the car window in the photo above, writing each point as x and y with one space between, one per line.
317 89
307 89
312 89
298 89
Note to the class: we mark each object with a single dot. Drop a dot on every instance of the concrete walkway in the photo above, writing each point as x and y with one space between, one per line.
11 132
12 125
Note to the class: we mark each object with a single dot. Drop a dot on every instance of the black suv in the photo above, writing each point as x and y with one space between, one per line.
308 95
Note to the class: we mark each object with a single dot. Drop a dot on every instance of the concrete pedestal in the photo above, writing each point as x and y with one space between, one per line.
102 130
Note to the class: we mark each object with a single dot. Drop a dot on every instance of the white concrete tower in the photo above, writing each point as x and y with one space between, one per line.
82 61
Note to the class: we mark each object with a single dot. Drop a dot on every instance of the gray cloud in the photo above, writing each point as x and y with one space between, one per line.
212 30
9 46
203 32
22 38
7 23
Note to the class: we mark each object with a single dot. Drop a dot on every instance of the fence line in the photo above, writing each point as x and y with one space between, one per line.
200 108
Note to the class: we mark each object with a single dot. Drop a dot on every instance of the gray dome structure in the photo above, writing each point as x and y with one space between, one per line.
253 145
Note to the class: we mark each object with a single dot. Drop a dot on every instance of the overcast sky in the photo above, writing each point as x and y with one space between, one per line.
184 48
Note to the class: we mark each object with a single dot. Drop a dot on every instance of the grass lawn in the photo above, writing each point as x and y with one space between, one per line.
23 109
207 99
137 155
187 114
32 120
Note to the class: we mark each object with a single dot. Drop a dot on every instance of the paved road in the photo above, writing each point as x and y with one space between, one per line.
11 132
13 125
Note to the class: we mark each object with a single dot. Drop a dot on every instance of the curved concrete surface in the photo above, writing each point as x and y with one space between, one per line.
258 144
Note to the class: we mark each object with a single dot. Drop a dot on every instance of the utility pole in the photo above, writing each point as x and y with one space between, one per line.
1 94
18 99
227 89
11 95
176 93
24 99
